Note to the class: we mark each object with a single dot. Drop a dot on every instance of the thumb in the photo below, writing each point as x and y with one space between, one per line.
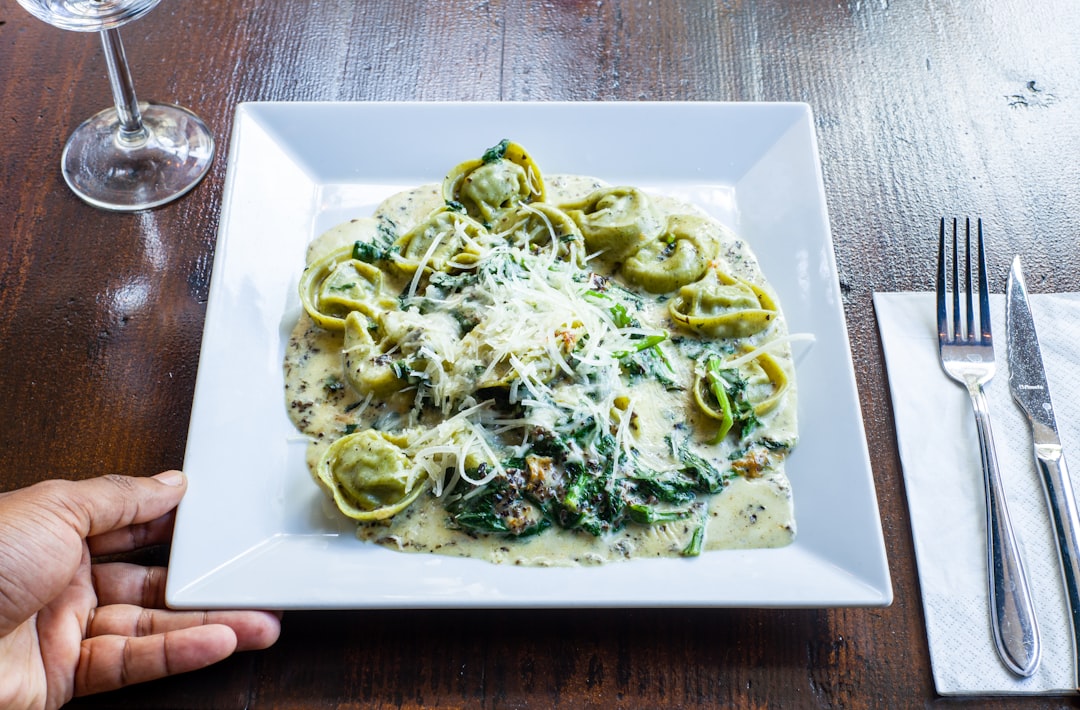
99 505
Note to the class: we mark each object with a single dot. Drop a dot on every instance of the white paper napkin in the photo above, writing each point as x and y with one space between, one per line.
939 452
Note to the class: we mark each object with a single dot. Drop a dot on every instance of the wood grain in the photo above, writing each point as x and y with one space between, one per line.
922 109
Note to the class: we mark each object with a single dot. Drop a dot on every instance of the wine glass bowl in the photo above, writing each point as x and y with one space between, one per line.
135 155
88 15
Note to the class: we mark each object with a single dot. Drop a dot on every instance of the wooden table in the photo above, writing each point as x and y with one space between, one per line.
922 109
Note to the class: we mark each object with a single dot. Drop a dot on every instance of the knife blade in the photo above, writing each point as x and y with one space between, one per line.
1027 382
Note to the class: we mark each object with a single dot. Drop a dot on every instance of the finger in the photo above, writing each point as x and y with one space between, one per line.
42 529
111 662
123 583
98 505
134 537
253 629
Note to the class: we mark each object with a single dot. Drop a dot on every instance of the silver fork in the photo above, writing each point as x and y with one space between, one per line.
967 356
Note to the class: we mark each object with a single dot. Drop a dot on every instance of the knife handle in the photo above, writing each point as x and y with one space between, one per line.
1012 613
1062 504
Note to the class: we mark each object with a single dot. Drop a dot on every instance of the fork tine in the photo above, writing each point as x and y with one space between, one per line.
942 301
957 329
984 291
969 294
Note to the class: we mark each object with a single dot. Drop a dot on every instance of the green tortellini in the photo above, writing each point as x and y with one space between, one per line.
676 257
733 394
766 383
722 306
499 181
338 284
367 368
453 239
542 226
369 475
615 221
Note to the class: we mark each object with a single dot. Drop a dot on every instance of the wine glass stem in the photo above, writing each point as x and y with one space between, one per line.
132 131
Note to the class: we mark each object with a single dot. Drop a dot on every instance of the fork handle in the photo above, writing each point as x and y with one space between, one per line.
1012 614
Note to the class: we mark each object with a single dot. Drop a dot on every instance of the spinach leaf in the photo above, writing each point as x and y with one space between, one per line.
381 247
496 152
498 508
697 539
590 503
709 477
648 515
649 362
668 487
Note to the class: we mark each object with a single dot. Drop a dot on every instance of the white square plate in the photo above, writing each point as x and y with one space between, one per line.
254 531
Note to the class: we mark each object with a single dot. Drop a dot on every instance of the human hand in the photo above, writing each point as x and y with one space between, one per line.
72 627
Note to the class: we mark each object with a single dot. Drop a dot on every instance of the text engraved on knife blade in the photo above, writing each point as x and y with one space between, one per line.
1035 401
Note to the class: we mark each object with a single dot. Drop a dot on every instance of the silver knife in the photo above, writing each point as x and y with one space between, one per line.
1027 381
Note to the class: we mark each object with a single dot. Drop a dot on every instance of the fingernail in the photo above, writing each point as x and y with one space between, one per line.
171 478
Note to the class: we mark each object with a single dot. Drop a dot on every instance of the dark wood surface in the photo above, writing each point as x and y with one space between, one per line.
922 109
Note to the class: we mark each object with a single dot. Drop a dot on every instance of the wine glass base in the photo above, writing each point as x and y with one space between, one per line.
113 172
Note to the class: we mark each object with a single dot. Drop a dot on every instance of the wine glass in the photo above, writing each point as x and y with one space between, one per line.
136 155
